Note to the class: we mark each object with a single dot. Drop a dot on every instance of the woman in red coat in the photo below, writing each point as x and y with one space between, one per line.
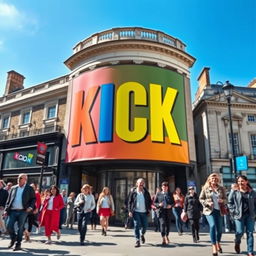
51 213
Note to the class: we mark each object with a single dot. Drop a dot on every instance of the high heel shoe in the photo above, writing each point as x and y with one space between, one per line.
214 254
220 250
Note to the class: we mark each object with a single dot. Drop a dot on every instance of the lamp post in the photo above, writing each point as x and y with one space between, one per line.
228 91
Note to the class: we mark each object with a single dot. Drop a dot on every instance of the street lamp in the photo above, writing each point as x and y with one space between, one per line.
228 91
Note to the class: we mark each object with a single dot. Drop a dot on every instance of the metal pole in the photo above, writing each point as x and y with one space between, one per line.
233 165
41 179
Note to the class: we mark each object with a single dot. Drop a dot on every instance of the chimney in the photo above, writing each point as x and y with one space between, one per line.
252 84
14 82
203 81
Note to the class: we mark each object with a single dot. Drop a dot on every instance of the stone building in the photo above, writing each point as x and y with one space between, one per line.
122 113
28 116
212 129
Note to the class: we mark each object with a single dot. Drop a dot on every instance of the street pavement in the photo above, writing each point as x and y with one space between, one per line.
119 242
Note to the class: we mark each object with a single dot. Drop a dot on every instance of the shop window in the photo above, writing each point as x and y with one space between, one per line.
26 158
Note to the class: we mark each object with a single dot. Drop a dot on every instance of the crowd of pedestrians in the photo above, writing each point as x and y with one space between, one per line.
22 207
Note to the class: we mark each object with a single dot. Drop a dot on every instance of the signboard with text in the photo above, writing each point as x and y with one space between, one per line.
132 112
41 153
241 163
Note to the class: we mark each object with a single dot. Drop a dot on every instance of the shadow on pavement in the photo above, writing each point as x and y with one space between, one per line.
87 244
122 235
37 252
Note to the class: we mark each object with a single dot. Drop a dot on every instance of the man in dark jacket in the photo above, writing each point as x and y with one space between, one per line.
20 203
3 199
139 206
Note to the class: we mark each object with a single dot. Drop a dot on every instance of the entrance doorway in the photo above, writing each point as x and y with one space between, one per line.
120 192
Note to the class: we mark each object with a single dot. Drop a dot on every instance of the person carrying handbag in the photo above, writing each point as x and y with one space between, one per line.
85 203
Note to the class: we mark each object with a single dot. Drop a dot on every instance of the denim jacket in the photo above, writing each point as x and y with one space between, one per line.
235 204
205 198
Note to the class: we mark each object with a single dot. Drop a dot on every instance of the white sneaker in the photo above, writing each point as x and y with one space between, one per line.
227 230
48 242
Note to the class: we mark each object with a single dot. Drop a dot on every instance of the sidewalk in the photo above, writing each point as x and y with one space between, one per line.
119 242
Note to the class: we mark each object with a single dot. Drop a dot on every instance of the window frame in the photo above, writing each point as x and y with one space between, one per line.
47 106
236 145
252 144
3 117
253 117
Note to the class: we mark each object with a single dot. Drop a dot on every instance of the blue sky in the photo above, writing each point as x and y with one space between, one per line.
37 36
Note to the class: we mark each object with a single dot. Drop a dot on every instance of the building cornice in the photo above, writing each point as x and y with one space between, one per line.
130 45
234 104
35 96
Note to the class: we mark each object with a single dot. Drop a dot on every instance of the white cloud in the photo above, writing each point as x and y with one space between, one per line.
14 19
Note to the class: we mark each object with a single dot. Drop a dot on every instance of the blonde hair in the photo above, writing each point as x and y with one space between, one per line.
85 186
207 183
103 192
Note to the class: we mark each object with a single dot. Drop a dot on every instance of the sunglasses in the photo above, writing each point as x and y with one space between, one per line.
191 189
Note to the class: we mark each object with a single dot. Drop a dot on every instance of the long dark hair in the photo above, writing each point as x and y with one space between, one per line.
244 178
57 189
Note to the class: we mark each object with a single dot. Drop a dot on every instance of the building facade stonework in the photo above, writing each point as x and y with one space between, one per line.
29 116
122 113
212 129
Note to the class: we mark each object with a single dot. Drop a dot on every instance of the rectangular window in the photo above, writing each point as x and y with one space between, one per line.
26 118
253 143
251 118
5 123
51 112
236 143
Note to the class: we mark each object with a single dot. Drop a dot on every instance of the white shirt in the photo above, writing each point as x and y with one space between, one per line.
215 197
140 202
50 203
17 202
105 202
89 204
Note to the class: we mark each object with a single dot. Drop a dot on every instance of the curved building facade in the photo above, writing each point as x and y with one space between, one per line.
129 112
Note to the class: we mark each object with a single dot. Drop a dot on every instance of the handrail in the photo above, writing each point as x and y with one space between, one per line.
32 132
134 33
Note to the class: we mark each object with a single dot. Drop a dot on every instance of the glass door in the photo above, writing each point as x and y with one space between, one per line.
120 194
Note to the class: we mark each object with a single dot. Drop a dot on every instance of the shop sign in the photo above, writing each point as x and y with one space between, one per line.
24 158
41 153
241 163
128 112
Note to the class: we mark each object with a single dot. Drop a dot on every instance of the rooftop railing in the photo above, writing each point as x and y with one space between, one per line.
129 33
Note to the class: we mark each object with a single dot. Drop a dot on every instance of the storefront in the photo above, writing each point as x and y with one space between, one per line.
128 122
19 156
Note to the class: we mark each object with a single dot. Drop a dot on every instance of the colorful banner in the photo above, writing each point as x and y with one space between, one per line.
128 112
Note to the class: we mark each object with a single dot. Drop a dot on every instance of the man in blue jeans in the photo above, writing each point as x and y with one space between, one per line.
139 206
20 203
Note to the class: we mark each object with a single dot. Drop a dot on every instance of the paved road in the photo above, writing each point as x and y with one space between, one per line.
119 242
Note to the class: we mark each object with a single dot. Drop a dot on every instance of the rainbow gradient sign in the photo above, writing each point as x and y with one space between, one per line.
125 112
